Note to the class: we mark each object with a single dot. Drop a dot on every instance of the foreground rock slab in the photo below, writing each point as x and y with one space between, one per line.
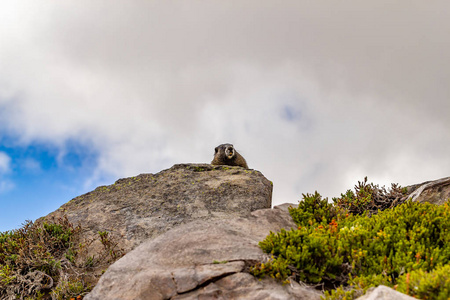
201 260
142 207
383 292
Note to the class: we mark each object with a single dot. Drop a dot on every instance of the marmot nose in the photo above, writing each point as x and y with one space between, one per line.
230 149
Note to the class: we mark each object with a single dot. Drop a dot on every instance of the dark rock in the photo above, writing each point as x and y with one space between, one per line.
205 259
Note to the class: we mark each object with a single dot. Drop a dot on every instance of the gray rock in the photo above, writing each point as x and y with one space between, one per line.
383 292
142 207
286 206
436 192
204 259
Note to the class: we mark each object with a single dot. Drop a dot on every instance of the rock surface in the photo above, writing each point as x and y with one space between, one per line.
142 207
436 192
383 292
205 259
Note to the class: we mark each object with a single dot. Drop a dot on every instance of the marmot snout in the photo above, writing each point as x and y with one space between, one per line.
225 154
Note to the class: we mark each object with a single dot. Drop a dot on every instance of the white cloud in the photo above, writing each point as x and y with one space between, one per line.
6 185
5 163
31 165
5 167
150 84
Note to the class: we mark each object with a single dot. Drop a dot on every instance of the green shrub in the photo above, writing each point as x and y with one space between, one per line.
427 285
311 253
333 246
49 260
313 209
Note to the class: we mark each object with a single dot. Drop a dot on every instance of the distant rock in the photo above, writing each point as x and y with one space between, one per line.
383 292
139 208
205 259
436 192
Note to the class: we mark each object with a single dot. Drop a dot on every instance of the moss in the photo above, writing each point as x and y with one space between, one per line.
220 262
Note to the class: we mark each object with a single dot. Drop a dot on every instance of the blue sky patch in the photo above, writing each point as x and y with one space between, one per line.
41 178
291 113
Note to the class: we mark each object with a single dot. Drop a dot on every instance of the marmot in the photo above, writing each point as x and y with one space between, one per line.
225 154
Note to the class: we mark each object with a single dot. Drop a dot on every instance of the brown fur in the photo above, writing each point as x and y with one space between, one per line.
225 154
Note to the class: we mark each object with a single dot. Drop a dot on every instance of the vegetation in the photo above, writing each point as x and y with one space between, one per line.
363 239
369 198
49 260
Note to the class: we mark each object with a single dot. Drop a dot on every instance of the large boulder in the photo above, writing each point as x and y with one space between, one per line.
135 209
436 192
205 259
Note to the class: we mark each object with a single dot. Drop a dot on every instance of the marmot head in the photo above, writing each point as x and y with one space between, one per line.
225 154
225 150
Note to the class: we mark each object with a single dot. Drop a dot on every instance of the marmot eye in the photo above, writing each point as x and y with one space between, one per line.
216 149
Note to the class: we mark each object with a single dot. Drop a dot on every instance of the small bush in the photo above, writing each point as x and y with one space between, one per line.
27 257
369 198
49 261
313 209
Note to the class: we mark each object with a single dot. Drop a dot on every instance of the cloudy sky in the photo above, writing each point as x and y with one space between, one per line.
314 94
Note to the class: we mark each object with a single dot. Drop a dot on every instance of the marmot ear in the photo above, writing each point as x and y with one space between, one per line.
217 149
